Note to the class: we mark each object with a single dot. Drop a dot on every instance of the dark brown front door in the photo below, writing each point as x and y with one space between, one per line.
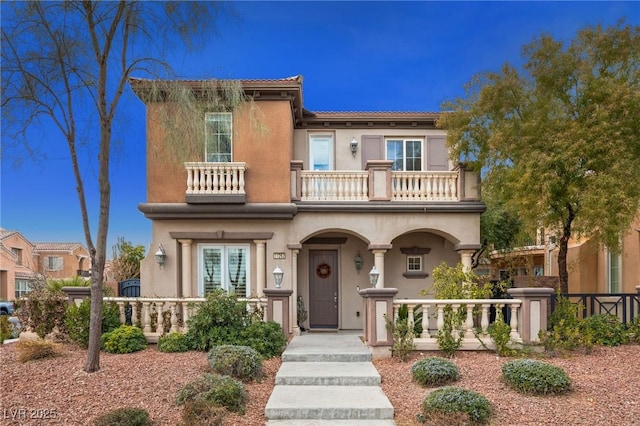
323 289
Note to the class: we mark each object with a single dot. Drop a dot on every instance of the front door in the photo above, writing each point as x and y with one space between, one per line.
323 289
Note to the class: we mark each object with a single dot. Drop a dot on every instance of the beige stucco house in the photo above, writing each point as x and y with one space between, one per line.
22 262
322 196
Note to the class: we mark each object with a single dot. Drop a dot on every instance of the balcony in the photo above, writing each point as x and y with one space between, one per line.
215 183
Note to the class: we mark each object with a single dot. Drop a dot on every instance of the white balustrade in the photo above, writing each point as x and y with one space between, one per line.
335 186
180 310
424 186
475 320
215 178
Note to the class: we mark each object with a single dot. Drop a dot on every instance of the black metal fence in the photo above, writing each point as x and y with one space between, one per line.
625 306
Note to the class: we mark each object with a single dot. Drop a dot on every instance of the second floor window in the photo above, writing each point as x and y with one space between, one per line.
406 154
53 263
18 253
218 137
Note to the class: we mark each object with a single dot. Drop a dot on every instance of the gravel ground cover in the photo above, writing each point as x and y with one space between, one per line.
606 388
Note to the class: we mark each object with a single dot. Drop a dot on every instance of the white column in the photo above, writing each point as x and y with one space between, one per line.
261 277
379 263
186 267
465 259
293 300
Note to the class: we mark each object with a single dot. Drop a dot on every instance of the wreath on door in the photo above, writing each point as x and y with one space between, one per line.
323 270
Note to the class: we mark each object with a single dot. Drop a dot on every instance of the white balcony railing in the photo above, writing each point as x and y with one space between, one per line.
474 328
177 310
424 186
215 178
335 186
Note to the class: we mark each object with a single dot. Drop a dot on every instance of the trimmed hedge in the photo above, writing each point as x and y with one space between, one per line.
530 376
434 371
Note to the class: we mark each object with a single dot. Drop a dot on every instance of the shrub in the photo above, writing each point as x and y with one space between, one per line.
5 328
78 316
219 320
29 350
222 391
451 402
265 337
449 337
42 311
124 340
500 333
565 332
124 417
402 338
202 413
606 329
173 342
634 329
434 371
241 362
529 376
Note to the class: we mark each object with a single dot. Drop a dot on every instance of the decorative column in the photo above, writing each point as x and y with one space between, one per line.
378 251
186 267
378 306
533 312
261 277
465 259
293 302
278 307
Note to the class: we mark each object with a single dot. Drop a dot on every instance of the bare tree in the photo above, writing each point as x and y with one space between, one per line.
67 64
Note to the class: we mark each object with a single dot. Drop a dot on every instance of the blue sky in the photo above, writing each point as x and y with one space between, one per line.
354 56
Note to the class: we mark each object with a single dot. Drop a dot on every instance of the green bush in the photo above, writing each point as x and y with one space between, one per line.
221 391
124 417
241 362
173 342
124 340
450 402
265 337
565 331
78 316
634 329
434 371
219 320
606 329
43 311
5 328
529 376
203 413
500 333
402 338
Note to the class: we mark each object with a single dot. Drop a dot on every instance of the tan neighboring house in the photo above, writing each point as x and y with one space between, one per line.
18 265
63 260
22 262
322 196
592 267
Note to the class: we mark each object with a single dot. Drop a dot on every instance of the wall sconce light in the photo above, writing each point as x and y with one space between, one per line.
277 276
160 255
373 276
358 262
354 146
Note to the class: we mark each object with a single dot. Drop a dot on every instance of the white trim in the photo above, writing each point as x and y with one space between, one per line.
224 248
404 141
230 133
315 139
609 255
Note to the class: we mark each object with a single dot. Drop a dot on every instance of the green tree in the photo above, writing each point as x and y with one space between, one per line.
66 65
126 260
559 140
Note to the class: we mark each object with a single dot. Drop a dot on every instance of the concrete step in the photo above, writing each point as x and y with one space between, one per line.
328 403
328 374
326 348
313 422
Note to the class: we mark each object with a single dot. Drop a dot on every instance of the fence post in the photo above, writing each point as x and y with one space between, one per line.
77 294
378 306
278 307
534 312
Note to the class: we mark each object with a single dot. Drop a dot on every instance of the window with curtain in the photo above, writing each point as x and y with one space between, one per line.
225 267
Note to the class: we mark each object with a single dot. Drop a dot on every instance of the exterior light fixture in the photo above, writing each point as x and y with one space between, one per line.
358 262
373 276
277 276
354 146
160 255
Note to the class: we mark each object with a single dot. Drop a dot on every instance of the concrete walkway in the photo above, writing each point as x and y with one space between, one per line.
328 378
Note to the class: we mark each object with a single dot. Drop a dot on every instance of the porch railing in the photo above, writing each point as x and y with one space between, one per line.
215 178
152 312
424 186
474 328
335 186
625 306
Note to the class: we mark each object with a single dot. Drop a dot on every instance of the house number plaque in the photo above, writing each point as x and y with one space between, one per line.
279 255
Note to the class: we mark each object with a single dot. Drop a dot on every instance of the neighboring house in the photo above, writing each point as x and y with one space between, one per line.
18 265
23 262
63 260
592 267
324 196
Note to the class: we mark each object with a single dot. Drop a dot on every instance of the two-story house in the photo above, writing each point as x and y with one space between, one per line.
322 196
63 260
18 265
